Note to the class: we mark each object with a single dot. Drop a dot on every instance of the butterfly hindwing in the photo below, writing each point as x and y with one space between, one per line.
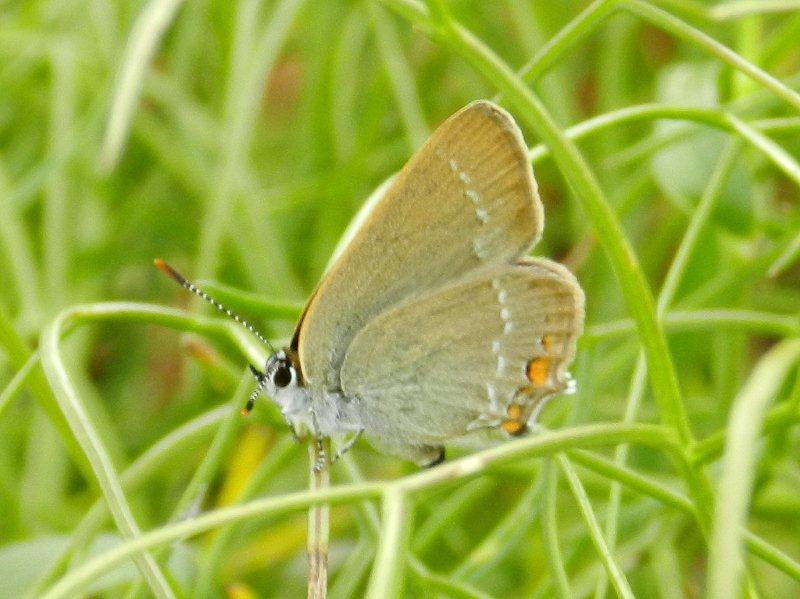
484 350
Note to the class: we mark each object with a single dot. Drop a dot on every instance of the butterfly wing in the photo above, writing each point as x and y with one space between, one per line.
483 351
466 199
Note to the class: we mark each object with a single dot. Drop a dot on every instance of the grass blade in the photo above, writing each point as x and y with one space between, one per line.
92 446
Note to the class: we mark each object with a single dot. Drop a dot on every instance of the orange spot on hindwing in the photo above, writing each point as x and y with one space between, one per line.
515 423
538 371
514 411
513 427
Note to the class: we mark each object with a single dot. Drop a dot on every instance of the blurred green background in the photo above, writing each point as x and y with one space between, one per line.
237 140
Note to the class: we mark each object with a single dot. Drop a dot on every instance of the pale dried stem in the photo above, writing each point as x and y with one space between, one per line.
318 525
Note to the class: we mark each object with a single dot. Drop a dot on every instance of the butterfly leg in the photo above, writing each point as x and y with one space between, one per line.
438 459
291 428
321 461
346 446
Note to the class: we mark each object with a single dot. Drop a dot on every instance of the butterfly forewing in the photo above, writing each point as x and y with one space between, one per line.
483 351
467 199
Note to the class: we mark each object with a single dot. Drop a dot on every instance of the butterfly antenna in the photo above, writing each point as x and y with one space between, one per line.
191 287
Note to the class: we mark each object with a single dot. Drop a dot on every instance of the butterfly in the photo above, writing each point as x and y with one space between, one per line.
433 322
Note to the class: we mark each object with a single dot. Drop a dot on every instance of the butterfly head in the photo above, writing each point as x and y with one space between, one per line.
280 378
282 382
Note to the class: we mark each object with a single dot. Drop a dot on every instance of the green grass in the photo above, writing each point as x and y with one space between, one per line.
237 140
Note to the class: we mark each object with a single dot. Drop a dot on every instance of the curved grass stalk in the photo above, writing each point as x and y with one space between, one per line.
589 435
463 468
81 425
247 77
686 249
400 77
76 580
739 465
613 571
763 323
596 13
222 329
18 381
146 33
134 475
635 290
725 121
387 572
683 30
553 553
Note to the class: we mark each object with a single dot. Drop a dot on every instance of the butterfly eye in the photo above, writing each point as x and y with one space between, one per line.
282 376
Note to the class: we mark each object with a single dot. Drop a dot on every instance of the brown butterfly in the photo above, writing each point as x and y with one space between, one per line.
431 322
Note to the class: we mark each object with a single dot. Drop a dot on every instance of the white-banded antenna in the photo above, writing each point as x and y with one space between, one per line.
189 286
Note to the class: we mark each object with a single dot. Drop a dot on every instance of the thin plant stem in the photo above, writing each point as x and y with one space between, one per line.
612 569
553 552
251 59
90 442
545 444
764 323
146 33
318 521
18 381
387 574
399 76
193 496
18 354
133 476
668 292
635 290
739 465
